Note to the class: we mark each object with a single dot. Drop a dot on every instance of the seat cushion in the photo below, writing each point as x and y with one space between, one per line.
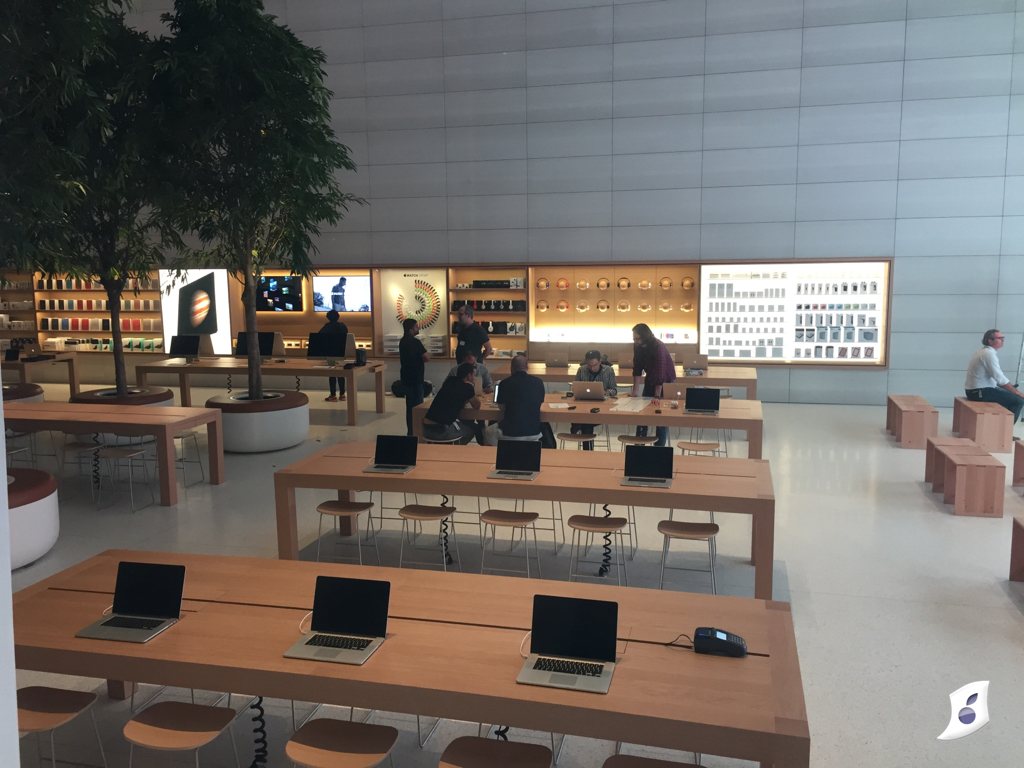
343 508
675 529
41 708
326 743
507 518
473 752
424 512
597 524
29 485
177 725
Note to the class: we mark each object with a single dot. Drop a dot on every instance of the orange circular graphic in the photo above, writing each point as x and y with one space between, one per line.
200 308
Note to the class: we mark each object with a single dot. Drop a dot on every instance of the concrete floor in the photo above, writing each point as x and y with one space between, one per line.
896 602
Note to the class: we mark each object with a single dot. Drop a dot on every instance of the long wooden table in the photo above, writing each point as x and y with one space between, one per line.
290 367
160 422
451 651
743 415
716 376
742 486
26 367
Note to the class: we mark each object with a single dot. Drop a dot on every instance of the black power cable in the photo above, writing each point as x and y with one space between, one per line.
501 733
444 533
260 732
229 383
606 558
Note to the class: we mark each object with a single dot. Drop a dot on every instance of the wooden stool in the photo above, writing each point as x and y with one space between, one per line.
625 440
423 513
632 761
116 455
672 529
177 726
976 485
503 518
603 525
579 440
194 436
1017 550
326 743
350 509
696 448
475 752
988 424
42 709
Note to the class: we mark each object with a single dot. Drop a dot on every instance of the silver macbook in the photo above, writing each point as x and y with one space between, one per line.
572 644
394 455
147 600
648 466
517 460
350 621
703 400
556 359
588 390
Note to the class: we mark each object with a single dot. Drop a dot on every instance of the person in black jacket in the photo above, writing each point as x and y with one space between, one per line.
334 325
412 355
522 395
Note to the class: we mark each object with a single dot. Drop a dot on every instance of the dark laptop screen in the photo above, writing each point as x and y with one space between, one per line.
702 399
327 345
519 455
351 606
396 449
149 589
184 346
264 338
574 628
648 461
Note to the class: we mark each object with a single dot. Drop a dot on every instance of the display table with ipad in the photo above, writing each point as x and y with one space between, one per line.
240 616
742 486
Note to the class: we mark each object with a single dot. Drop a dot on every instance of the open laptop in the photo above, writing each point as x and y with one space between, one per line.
704 400
648 466
557 359
186 347
674 392
350 621
517 460
588 390
572 644
694 360
147 600
394 455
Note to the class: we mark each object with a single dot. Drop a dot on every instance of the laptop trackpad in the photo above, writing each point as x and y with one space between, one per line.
557 679
327 653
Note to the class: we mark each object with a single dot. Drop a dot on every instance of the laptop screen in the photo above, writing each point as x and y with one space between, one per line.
702 399
396 449
649 461
519 455
326 345
186 346
152 590
574 628
351 606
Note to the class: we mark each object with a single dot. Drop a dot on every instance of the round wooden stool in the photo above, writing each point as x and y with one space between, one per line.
672 529
42 709
697 448
568 437
474 752
625 440
422 513
178 726
632 761
503 518
613 526
326 743
349 509
114 457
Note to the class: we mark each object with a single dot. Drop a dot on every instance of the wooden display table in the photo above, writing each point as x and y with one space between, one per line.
987 424
25 368
290 367
716 376
734 414
162 422
241 614
911 420
741 486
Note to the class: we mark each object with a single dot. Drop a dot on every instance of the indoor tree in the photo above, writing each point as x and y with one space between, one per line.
252 160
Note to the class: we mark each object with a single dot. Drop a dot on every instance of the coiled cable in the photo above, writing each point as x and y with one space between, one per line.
606 558
260 732
229 383
501 732
444 533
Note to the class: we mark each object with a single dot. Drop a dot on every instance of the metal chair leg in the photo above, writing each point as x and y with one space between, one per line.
664 556
99 741
319 530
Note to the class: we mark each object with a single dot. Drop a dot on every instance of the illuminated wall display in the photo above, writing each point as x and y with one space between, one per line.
833 313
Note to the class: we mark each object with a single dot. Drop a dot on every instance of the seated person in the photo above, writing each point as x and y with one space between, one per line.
522 395
594 369
442 421
481 371
986 380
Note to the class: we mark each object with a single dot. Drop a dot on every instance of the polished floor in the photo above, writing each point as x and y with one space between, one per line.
896 602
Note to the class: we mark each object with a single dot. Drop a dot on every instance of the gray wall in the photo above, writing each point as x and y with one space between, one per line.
580 130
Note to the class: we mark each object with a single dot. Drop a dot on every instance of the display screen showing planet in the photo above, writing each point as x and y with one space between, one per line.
197 307
200 308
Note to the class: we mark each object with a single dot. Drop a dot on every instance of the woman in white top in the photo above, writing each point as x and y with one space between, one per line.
985 378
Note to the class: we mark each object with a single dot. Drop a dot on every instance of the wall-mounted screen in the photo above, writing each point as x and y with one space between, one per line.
830 312
196 302
279 293
342 293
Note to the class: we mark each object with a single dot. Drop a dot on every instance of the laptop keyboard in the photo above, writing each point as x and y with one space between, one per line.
584 668
514 472
127 622
390 466
333 641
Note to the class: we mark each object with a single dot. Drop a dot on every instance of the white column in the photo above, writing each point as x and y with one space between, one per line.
8 684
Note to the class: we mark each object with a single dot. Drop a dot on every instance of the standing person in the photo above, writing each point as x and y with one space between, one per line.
442 421
522 395
412 355
652 365
334 325
594 369
338 295
985 378
472 337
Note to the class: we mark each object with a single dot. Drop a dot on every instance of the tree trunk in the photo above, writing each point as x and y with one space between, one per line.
252 333
114 291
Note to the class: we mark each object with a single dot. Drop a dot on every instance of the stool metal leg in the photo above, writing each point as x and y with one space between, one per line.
664 556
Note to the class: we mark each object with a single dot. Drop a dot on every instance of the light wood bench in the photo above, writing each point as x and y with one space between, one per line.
987 424
911 420
959 403
943 458
975 484
1017 478
933 461
1017 550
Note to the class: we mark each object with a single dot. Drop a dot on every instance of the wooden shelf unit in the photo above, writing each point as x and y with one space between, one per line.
501 342
17 287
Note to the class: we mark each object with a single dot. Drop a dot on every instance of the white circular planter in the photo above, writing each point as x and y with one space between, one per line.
23 393
34 516
279 421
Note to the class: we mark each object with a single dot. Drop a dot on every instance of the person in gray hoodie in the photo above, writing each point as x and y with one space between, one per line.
594 368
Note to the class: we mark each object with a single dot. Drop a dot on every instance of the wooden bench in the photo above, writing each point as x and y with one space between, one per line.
943 457
975 484
987 424
959 403
1017 478
911 420
1017 550
933 461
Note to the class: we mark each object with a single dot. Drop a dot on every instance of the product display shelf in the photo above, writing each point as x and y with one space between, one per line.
498 308
17 308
